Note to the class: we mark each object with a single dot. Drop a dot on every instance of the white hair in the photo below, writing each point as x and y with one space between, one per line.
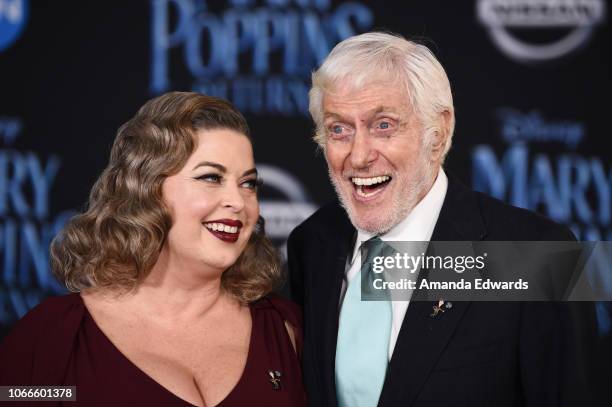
376 56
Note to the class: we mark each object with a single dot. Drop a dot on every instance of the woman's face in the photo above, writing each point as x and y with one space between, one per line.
212 202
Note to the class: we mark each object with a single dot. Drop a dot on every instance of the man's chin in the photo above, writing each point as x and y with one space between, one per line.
373 220
366 216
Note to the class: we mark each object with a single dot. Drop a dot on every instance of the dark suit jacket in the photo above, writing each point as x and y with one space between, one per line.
477 354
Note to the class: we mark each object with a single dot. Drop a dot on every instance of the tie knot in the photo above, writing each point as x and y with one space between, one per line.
372 248
372 270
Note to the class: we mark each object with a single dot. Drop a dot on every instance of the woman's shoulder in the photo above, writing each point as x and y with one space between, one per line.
52 305
42 334
287 309
288 317
49 312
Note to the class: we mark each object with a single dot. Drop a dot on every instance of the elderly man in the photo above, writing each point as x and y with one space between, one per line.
384 119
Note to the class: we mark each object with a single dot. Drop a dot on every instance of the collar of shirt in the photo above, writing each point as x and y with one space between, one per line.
418 225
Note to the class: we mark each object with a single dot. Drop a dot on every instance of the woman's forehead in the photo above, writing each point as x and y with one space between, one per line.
227 147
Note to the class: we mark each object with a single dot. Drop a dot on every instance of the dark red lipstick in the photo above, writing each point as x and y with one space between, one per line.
218 228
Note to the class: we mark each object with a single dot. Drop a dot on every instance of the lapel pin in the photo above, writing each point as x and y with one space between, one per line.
440 308
275 379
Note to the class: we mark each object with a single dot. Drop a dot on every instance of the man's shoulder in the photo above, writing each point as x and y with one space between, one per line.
506 222
330 218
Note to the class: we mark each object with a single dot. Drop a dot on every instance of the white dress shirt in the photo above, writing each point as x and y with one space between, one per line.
418 226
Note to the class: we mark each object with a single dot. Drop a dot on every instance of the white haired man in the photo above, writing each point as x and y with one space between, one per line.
384 116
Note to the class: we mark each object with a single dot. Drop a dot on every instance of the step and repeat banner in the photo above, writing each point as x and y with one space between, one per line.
531 81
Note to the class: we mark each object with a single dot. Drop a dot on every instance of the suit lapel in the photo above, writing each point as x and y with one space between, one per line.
422 338
331 273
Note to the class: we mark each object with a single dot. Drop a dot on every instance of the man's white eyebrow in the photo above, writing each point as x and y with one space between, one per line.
332 116
385 109
371 112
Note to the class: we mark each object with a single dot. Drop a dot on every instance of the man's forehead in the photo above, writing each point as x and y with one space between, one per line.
370 100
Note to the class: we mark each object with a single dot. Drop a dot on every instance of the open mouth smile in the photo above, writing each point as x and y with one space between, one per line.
367 188
227 230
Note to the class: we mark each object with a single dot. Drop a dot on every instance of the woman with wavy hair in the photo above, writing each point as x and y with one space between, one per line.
171 276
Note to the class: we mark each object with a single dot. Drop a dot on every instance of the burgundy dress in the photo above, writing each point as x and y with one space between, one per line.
58 343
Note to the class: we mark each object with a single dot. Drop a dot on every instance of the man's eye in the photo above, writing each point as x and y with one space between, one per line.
384 125
337 129
213 178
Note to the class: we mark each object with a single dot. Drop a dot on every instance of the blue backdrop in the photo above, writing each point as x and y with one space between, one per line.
531 81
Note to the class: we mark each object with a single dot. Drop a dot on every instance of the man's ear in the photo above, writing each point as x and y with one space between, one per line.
440 136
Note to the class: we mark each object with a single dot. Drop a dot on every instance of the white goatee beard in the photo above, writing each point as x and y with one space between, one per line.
402 204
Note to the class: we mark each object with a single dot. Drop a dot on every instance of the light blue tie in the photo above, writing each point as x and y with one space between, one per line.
363 340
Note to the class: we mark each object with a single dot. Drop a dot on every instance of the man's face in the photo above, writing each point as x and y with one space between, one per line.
375 154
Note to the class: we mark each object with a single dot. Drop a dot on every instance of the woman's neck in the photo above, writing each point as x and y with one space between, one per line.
175 293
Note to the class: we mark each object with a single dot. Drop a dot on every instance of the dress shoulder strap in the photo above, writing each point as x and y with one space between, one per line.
288 311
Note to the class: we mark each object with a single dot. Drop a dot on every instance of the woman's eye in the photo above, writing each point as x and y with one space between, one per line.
213 178
252 184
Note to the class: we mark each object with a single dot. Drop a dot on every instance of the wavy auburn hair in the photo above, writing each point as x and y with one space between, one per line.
117 240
